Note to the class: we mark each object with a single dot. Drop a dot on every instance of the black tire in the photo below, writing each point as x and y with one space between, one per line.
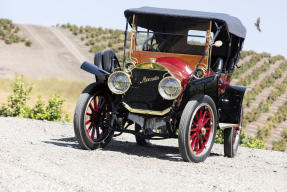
86 136
140 140
232 139
196 139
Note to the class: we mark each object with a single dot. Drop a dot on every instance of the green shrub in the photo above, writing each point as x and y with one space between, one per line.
8 32
38 111
277 58
254 75
54 108
17 105
219 139
279 145
265 105
245 141
284 134
251 142
252 62
28 43
272 122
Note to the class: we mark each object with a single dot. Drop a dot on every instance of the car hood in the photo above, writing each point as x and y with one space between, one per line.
176 67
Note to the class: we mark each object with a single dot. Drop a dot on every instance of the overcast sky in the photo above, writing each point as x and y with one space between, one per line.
109 14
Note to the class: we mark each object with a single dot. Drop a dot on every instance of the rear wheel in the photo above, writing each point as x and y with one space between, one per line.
197 129
92 120
232 139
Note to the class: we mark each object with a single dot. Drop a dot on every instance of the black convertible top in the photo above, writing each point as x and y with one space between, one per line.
233 24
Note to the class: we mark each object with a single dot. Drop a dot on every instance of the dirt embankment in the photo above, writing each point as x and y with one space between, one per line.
54 53
44 156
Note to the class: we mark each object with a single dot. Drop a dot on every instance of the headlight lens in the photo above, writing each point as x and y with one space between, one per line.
119 82
169 88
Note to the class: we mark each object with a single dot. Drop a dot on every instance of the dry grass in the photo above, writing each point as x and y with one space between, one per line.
68 89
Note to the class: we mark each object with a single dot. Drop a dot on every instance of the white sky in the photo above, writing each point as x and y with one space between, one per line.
109 14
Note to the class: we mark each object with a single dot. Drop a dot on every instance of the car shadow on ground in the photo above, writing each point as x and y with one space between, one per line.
64 142
170 153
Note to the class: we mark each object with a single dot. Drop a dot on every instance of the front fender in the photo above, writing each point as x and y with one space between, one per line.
206 86
230 104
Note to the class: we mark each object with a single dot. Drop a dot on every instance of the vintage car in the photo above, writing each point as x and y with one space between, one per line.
173 83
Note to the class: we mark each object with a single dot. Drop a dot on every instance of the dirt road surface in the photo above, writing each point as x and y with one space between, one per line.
44 156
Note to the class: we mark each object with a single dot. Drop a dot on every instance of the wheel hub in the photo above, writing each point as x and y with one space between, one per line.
203 131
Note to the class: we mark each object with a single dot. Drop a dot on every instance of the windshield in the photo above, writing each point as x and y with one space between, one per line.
188 41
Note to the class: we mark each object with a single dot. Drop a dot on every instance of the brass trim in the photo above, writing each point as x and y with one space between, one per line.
156 63
113 75
203 71
210 50
144 111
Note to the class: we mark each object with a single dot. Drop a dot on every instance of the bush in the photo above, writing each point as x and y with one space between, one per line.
54 108
253 61
284 134
17 105
266 82
251 142
28 43
272 122
8 32
279 145
38 111
219 139
245 141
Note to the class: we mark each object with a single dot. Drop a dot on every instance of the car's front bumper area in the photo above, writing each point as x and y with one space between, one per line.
145 111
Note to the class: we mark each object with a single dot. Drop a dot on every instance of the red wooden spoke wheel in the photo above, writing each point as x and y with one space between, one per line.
200 129
92 119
197 129
98 117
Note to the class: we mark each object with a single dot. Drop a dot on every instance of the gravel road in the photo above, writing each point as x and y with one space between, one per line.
44 156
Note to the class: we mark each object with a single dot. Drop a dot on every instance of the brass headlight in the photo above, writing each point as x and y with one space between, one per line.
119 82
169 88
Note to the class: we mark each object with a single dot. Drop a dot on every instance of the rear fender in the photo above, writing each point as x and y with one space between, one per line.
230 104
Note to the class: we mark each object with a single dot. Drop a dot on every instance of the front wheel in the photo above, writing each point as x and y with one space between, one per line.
197 129
92 119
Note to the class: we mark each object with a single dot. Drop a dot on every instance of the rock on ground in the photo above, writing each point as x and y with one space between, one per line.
44 156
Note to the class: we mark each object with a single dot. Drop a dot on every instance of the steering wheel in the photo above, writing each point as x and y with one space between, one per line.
150 46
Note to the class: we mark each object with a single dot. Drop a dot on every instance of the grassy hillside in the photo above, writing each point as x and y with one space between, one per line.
9 33
265 101
99 39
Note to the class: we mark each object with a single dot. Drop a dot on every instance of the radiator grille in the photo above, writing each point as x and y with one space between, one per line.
143 93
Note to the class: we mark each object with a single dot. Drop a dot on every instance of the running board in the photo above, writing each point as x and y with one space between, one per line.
227 125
